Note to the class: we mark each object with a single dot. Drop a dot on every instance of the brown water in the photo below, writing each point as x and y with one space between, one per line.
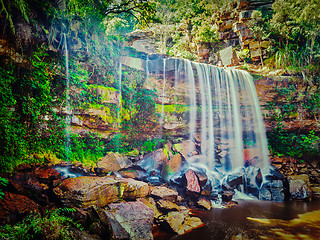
231 222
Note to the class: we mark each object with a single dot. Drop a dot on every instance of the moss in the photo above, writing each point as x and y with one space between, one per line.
177 147
104 91
106 116
172 108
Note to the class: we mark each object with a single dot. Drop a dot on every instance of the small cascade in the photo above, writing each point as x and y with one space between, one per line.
120 97
163 97
68 107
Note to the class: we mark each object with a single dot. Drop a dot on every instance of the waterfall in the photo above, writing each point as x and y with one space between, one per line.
120 96
68 107
223 113
163 97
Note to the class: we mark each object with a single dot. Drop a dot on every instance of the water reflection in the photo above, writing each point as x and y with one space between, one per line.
240 222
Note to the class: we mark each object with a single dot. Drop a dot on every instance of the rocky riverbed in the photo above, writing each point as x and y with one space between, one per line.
123 197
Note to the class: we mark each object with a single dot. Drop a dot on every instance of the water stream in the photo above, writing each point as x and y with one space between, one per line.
223 113
68 107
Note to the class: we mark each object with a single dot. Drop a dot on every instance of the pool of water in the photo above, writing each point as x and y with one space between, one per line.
230 222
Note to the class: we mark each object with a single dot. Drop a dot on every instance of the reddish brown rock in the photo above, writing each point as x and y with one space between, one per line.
113 162
167 206
180 222
175 163
133 189
299 187
227 196
164 193
205 203
46 175
87 191
151 203
186 148
15 206
154 161
130 220
192 182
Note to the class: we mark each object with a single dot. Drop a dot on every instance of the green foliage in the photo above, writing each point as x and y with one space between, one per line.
9 10
280 109
312 104
53 225
304 146
3 182
151 145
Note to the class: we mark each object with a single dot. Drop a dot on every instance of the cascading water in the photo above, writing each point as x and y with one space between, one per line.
223 118
163 97
68 107
120 97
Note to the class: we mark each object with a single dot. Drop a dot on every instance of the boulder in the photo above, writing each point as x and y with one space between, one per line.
46 175
205 203
186 148
151 203
272 190
130 220
228 58
227 196
164 193
86 191
113 162
299 187
27 184
175 163
133 189
192 182
180 222
167 206
153 161
14 207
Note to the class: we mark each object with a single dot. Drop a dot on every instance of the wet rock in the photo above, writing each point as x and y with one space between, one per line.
27 184
86 191
13 207
153 161
133 189
133 173
192 182
272 190
315 191
186 148
132 220
113 162
205 203
167 206
299 187
151 203
175 164
235 179
164 193
46 175
180 222
202 177
227 196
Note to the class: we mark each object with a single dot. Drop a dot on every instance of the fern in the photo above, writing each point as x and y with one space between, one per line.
9 12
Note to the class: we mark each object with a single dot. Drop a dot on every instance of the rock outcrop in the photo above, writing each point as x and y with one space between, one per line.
87 191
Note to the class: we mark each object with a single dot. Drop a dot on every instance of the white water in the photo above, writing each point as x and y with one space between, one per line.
120 97
224 116
68 107
163 97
